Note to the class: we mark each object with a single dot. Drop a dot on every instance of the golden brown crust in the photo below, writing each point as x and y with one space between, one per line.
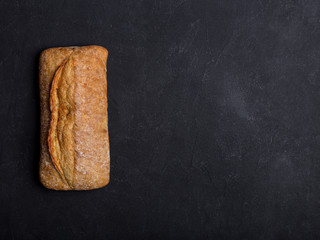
54 108
74 136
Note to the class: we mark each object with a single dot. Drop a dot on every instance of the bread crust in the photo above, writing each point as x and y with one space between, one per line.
74 151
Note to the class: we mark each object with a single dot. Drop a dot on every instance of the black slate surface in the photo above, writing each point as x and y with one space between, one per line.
214 120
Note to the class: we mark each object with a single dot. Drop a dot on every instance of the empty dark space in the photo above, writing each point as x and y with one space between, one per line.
214 119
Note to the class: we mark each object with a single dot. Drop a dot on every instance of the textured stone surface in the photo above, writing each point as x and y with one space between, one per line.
214 119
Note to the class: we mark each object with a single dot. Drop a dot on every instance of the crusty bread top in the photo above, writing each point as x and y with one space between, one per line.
77 137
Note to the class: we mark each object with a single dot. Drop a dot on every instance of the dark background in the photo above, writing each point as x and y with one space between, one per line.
214 113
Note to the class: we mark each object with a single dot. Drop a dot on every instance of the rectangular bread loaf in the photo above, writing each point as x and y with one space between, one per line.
74 118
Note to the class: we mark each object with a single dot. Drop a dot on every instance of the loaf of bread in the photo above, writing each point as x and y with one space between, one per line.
74 119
